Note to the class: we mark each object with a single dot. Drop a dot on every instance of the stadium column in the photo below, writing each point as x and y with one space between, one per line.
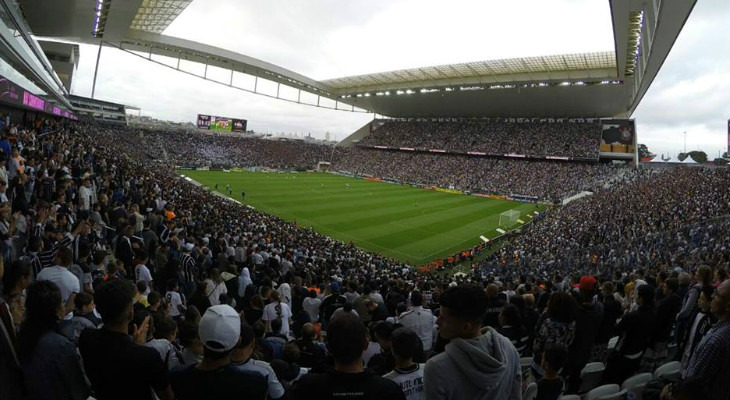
96 70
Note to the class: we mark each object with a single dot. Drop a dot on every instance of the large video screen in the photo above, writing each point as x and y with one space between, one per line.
221 124
618 136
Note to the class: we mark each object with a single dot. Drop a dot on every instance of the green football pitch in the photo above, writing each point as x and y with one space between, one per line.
409 224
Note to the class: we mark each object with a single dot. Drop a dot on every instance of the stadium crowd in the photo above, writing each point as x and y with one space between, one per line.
196 150
535 139
121 281
548 180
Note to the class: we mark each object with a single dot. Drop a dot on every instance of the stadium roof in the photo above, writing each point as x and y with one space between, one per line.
156 15
566 66
605 84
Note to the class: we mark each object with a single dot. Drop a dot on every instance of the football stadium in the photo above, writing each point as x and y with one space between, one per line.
488 228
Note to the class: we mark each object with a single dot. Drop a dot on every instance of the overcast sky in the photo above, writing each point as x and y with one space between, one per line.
329 38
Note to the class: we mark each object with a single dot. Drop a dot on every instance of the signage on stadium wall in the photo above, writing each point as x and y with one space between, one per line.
11 93
483 154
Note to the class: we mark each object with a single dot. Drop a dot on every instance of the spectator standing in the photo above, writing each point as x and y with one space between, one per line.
346 341
407 374
711 359
635 330
50 362
556 327
67 282
701 323
589 314
241 358
138 370
476 364
277 310
215 377
420 320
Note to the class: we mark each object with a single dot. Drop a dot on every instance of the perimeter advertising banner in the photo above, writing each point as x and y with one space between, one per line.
618 136
221 124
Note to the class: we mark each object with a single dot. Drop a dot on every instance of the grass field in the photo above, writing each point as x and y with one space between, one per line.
409 224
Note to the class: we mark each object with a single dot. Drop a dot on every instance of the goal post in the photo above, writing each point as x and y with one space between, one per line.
508 218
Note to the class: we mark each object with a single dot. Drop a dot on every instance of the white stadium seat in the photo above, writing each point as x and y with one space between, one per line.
636 384
670 370
591 376
602 391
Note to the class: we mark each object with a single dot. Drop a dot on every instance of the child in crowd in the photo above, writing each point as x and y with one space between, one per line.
552 386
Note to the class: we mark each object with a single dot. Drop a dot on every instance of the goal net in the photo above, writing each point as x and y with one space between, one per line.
508 218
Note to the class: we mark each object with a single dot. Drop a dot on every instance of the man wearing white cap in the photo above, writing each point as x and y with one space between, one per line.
215 377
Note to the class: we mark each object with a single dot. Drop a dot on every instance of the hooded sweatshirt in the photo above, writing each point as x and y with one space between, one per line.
484 368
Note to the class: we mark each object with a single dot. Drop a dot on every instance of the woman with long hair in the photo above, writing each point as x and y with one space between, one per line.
556 326
277 310
215 287
49 360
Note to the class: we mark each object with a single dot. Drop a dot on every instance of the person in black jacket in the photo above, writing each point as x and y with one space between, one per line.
666 311
635 331
588 318
611 313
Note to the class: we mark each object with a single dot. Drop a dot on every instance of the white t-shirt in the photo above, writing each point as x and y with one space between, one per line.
270 314
175 303
410 381
63 278
85 197
421 321
214 291
142 273
311 306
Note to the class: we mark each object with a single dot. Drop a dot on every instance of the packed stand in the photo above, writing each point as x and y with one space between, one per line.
533 139
547 180
122 281
194 149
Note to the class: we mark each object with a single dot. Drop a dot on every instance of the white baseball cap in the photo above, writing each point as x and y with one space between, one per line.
189 246
220 328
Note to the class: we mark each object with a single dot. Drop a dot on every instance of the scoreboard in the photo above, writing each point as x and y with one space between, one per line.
221 124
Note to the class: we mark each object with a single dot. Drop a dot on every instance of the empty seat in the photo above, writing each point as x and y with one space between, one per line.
530 392
591 376
669 371
636 384
614 396
602 391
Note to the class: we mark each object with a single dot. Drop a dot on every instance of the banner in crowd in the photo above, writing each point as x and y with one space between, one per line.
618 136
